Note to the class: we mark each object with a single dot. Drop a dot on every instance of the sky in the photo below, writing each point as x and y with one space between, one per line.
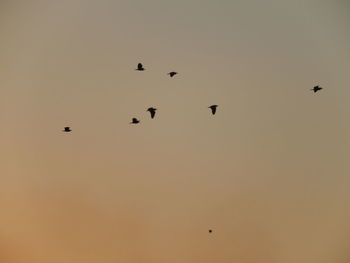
269 173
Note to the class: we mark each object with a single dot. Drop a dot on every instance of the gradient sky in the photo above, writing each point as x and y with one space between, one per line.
269 173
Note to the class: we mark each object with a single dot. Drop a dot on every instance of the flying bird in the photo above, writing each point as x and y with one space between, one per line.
134 121
140 67
316 88
67 129
152 111
213 108
172 74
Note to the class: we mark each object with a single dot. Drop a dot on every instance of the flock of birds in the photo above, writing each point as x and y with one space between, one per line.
152 110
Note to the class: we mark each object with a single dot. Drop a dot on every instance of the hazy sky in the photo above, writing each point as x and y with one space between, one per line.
269 173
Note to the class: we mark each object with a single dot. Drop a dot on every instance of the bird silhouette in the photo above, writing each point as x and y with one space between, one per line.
172 74
134 121
152 111
316 88
213 109
67 129
140 67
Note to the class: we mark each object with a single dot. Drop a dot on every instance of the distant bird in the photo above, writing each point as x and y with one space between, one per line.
67 129
152 111
172 74
210 231
140 67
213 108
316 88
134 121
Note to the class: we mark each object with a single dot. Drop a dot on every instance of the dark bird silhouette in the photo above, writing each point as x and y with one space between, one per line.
152 111
140 67
67 129
210 231
134 121
172 74
316 88
213 109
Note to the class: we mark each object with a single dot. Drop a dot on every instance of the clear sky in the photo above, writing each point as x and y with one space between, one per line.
269 173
